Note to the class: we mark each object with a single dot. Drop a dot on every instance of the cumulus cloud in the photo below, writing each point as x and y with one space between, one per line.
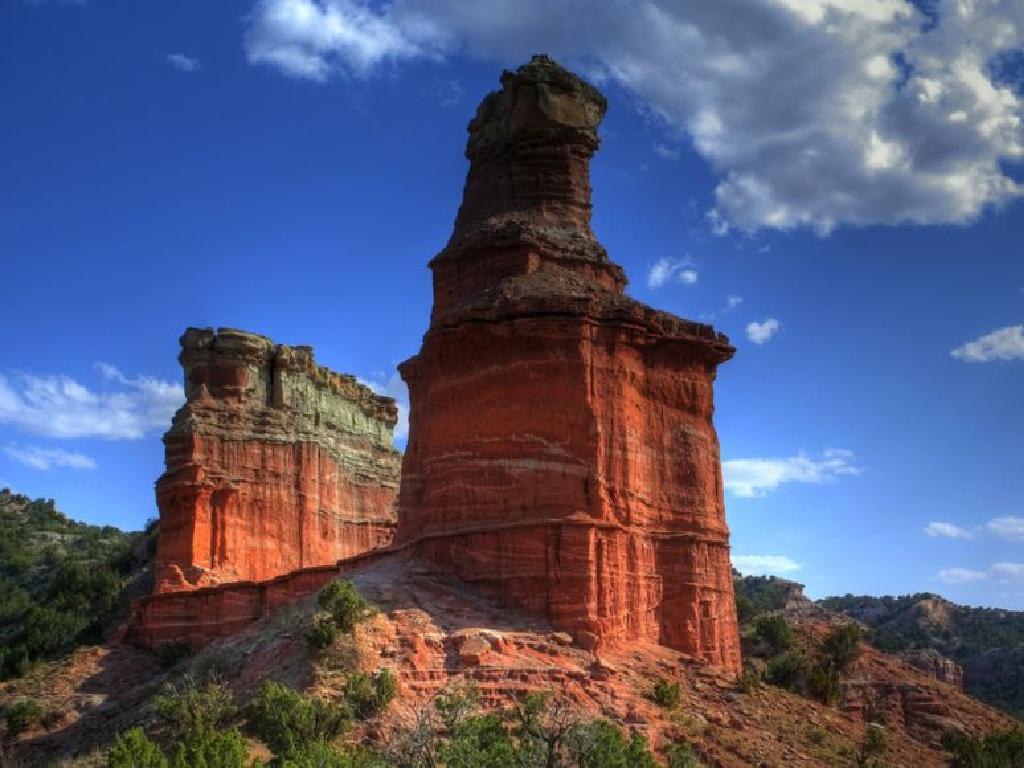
947 531
751 478
667 270
759 333
315 38
394 387
763 565
1009 528
812 113
183 62
1002 344
961 576
59 406
48 458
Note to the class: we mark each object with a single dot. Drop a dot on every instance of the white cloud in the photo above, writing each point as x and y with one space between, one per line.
750 478
666 152
665 269
1009 528
48 458
394 387
947 530
763 565
59 406
1007 571
1002 344
759 333
732 302
961 576
811 113
183 62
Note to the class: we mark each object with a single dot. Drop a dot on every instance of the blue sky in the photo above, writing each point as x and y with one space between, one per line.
832 184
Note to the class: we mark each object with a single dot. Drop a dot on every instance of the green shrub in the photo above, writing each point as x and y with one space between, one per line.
368 694
133 749
788 670
323 633
873 745
191 712
748 681
224 749
995 750
347 607
681 756
776 632
600 744
286 721
21 716
841 647
321 755
823 684
665 694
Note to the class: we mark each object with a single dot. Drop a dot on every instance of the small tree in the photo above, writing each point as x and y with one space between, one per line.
368 694
841 646
323 632
788 670
681 756
345 605
21 716
286 721
193 712
665 694
776 632
133 749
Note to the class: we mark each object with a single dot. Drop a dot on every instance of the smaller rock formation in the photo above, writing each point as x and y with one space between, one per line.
274 464
934 664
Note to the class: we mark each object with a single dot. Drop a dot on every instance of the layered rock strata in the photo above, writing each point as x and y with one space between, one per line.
561 449
274 464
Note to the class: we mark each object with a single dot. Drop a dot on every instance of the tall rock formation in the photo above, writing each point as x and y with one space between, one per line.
562 450
274 463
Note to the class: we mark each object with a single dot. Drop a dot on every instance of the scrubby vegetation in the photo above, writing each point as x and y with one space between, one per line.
61 582
996 750
665 694
200 728
341 608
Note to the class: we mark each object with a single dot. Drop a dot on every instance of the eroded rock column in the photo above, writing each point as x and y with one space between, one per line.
562 451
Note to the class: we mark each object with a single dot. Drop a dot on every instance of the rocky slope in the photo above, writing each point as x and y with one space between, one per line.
432 630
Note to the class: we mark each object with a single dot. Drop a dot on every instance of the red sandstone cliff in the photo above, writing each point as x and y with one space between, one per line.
561 447
273 464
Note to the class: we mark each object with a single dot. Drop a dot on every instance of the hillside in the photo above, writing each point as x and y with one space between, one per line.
62 583
435 635
987 642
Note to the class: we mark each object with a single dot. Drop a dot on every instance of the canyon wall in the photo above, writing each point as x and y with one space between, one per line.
562 451
274 464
